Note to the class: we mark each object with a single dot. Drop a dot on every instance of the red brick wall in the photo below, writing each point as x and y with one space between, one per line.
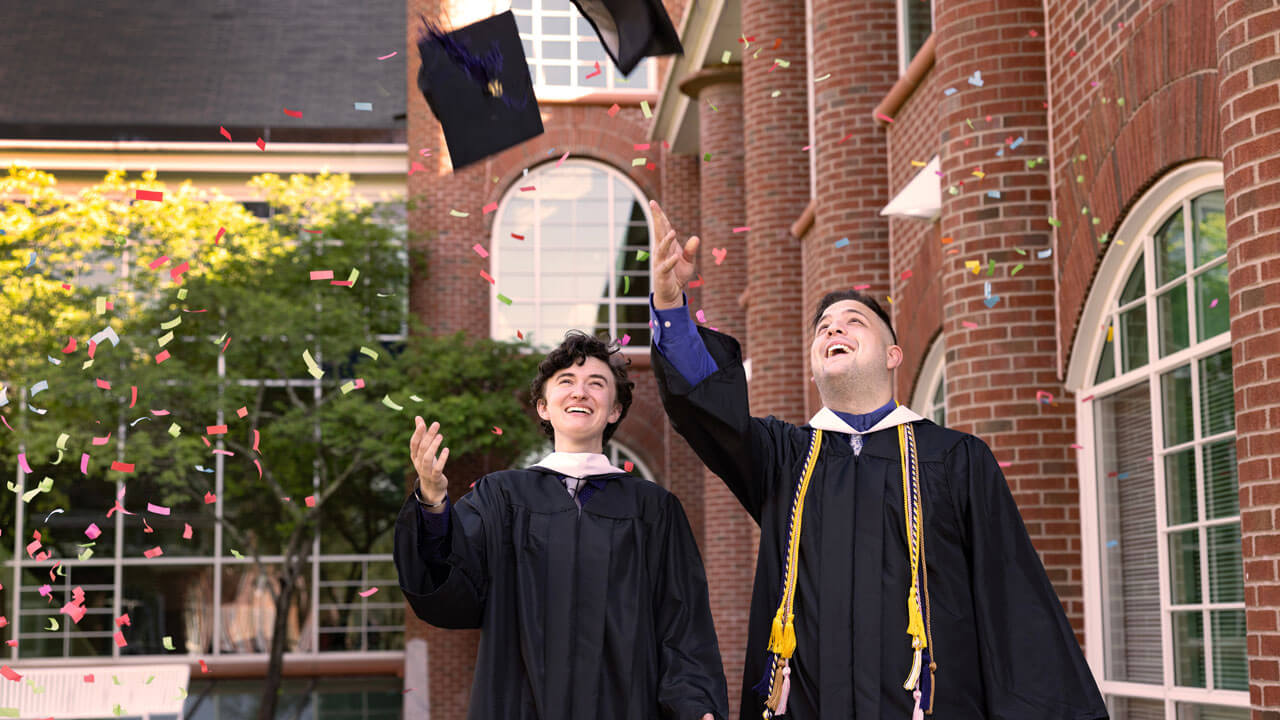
777 180
1249 66
995 367
1159 58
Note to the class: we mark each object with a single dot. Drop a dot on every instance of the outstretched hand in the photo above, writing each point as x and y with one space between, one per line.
673 264
423 447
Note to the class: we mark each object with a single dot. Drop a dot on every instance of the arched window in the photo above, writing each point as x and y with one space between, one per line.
1161 518
930 399
571 254
563 49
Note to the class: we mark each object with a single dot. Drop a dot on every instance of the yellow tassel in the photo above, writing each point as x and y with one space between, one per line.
915 623
788 646
775 635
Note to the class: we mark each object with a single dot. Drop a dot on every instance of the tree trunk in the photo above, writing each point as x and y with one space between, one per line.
279 636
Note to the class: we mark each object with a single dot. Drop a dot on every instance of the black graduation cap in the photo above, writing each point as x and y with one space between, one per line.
631 30
477 82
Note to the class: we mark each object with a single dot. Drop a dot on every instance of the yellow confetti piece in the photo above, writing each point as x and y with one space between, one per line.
782 63
459 213
973 265
386 400
174 430
820 79
726 57
182 694
355 275
312 367
369 351
53 624
171 324
85 554
637 162
1111 333
167 641
415 398
644 108
918 163
100 306
347 387
165 339
236 553
775 93
182 293
979 174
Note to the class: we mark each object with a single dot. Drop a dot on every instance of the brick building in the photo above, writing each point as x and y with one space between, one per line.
1070 208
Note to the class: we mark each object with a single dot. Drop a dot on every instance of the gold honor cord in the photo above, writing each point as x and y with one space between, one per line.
782 638
917 593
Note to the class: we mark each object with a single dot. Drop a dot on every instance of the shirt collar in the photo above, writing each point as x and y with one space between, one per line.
825 419
579 465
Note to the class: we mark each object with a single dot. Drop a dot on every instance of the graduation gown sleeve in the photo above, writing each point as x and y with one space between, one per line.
1031 663
691 678
714 417
452 596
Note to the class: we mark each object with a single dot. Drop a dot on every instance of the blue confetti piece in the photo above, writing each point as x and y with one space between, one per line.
976 79
1000 152
1017 142
1044 253
1113 544
993 194
32 261
991 301
54 360
842 242
949 92
203 469
1123 476
366 106
135 422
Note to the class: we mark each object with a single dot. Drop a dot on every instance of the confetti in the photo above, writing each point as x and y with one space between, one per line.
9 674
459 213
614 110
842 242
1213 303
153 552
562 158
719 254
594 73
491 207
186 531
367 593
167 642
976 78
886 118
292 113
262 144
480 250
157 509
380 57
321 274
742 229
644 108
386 400
118 466
504 299
153 195
497 430
224 132
364 106
488 277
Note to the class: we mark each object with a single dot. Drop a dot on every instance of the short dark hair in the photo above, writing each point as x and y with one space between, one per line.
576 348
832 298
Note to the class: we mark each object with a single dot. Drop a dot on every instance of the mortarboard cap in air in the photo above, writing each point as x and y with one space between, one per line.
631 30
477 82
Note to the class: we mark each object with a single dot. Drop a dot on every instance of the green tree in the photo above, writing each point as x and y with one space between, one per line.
304 389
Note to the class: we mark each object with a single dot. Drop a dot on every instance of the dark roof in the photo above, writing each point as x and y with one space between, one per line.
202 63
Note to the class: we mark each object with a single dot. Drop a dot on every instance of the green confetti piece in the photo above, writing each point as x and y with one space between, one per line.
1016 269
1020 251
991 267
182 694
115 680
167 641
182 293
459 213
504 299
369 351
10 712
174 430
644 108
45 486
221 340
1084 211
1079 178
1095 220
1104 237
626 284
118 710
725 57
642 255
237 554
1055 222
706 157
386 400
1082 157
35 689
148 680
713 107
1120 102
171 324
85 554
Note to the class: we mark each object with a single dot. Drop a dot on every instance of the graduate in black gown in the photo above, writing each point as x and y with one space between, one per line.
895 578
585 580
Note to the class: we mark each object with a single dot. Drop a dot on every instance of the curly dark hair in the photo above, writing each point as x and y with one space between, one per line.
576 348
832 298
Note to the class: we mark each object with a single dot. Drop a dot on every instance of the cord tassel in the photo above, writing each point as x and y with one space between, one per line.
913 678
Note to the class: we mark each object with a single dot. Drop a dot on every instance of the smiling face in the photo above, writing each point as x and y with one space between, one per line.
852 354
579 401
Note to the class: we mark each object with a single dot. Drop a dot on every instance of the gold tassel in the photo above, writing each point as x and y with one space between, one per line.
788 637
915 623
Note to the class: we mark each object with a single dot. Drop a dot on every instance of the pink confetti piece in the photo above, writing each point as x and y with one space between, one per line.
886 118
625 339
862 287
742 229
309 501
528 188
74 611
88 678
176 273
702 317
614 110
240 413
968 324
488 277
216 430
224 133
186 531
155 264
480 250
905 274
292 113
203 667
218 237
367 593
162 356
133 395
640 146
210 498
497 430
594 72
153 552
491 207
157 509
259 466
1214 303
257 436
22 463
120 641
121 467
92 532
382 57
228 453
321 274
70 347
1005 464
1076 446
562 158
102 384
101 440
719 254
628 465
84 463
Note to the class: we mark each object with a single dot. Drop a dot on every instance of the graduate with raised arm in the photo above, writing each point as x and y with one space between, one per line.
584 580
895 578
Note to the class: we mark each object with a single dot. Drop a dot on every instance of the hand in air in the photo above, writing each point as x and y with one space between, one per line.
428 460
673 264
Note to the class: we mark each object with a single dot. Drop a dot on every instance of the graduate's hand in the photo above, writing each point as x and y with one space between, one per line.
708 717
423 449
673 264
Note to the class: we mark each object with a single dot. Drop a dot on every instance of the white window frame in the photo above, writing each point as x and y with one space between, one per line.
932 373
643 80
534 237
1134 238
904 58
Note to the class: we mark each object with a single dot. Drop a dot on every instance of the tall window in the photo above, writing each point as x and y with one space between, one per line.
915 24
1157 419
571 254
563 50
930 399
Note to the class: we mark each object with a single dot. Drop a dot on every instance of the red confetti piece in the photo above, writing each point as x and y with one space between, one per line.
133 395
262 145
146 527
210 498
417 167
203 668
103 384
528 188
614 110
120 641
121 467
218 237
697 283
488 277
176 273
517 237
164 355
309 500
226 135
88 678
628 465
480 250
155 195
292 113
224 345
153 552
594 72
155 264
71 346
9 673
491 207
216 429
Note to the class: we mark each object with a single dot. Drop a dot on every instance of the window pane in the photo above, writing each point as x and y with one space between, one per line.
555 50
1222 492
1171 307
1180 486
1188 648
918 21
553 25
1211 227
1217 403
1136 286
248 610
168 601
1171 253
1122 708
524 24
1226 571
1184 567
1230 662
1187 711
1175 394
1211 303
940 403
1127 516
1106 363
91 637
1133 336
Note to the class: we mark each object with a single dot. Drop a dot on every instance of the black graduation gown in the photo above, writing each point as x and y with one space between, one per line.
1001 641
598 614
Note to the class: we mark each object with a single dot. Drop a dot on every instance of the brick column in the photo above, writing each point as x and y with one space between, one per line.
777 179
995 369
731 535
1248 67
855 41
444 291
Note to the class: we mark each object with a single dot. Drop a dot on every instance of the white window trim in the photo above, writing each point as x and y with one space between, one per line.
642 82
812 92
904 59
932 372
495 254
1134 238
